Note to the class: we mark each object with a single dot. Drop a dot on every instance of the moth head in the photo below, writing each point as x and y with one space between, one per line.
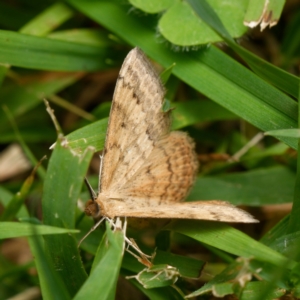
92 208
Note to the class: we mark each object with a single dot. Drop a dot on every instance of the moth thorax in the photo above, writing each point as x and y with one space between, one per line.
92 209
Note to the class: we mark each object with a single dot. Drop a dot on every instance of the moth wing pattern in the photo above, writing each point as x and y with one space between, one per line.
136 121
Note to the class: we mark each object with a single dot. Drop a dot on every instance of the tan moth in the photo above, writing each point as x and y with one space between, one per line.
147 171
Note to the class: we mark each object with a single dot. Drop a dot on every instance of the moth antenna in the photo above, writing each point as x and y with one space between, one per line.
91 190
100 172
91 230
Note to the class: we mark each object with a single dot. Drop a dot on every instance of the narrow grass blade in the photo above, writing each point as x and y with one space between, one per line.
102 281
48 20
14 229
228 239
42 53
52 286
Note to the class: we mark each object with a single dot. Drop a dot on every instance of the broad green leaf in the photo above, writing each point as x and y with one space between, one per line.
182 27
14 229
152 7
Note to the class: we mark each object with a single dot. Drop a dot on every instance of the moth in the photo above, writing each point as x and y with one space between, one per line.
147 170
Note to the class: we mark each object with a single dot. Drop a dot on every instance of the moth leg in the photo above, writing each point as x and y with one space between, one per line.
91 230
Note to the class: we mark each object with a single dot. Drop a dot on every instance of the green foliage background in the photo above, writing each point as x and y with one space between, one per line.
222 96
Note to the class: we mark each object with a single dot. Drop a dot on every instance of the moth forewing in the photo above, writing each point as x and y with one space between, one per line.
148 170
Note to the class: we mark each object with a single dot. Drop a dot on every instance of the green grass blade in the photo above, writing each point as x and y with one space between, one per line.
294 224
18 200
294 133
14 229
51 284
224 237
62 187
278 77
91 135
42 53
93 37
106 267
193 112
48 20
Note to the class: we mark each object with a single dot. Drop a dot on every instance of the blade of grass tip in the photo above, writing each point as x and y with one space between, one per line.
295 133
165 75
277 76
18 200
48 20
50 111
294 224
15 229
106 266
41 171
